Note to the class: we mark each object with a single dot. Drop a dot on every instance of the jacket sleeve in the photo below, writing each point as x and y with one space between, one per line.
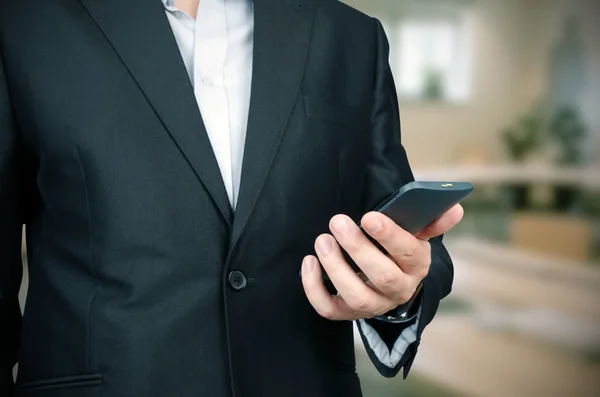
11 222
392 346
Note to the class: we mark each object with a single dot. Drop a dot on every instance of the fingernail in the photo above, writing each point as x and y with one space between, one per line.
373 225
324 244
308 265
340 225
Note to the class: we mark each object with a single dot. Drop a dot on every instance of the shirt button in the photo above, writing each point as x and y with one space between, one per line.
207 81
237 280
212 16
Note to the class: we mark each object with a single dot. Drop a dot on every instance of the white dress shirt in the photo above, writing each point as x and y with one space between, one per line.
217 51
217 48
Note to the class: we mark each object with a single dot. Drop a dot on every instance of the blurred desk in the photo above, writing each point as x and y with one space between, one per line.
586 178
557 231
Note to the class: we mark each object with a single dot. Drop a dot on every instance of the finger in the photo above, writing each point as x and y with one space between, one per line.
402 296
326 305
359 296
443 224
411 254
382 271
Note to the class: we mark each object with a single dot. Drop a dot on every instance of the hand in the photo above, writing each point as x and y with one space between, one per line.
392 278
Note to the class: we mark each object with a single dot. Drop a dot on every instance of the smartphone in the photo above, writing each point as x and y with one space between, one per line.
417 205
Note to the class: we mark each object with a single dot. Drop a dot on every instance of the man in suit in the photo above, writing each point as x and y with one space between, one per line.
175 163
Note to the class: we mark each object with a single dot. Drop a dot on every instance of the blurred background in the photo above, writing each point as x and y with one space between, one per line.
506 94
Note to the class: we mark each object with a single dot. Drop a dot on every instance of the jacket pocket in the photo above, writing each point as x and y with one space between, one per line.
351 116
88 380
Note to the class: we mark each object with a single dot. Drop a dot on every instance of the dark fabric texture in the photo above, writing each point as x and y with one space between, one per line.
105 158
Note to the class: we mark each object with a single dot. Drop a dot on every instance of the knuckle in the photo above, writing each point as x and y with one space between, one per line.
423 272
360 304
427 247
351 246
330 266
409 252
404 296
387 279
326 311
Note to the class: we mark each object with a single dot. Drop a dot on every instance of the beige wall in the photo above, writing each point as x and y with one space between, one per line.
439 134
512 40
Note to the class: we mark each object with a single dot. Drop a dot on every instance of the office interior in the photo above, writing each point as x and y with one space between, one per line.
505 94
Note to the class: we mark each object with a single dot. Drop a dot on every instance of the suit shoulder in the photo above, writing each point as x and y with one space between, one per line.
344 18
339 9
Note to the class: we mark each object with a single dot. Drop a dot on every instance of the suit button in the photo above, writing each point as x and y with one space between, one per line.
237 280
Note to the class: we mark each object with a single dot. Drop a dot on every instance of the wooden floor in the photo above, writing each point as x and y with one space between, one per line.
515 330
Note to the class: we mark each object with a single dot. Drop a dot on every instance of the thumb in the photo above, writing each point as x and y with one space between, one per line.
443 224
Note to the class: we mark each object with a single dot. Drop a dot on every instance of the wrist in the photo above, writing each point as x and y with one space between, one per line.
405 312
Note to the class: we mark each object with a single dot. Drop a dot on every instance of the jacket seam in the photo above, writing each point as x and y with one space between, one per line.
91 262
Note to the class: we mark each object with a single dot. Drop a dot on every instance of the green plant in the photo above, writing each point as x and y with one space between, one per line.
434 84
523 138
520 140
567 128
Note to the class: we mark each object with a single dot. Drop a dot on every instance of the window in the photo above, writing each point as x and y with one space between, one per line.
431 55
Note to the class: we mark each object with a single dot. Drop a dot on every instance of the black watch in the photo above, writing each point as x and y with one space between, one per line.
405 311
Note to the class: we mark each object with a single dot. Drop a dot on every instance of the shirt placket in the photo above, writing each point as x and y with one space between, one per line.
209 59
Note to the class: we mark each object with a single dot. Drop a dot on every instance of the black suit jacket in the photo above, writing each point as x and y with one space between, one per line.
131 239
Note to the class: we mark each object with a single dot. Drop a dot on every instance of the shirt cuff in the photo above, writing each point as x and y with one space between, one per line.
390 357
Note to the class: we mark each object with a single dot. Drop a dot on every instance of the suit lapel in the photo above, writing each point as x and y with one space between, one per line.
140 33
281 39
